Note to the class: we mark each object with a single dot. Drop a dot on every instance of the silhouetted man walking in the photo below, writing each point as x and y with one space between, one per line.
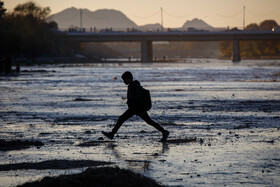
134 108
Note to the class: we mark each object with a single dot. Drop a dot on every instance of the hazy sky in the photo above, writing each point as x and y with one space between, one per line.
218 13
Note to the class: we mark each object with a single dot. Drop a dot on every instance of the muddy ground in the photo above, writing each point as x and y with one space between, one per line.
223 118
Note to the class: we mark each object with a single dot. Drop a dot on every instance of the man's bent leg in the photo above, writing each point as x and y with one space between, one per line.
147 119
125 116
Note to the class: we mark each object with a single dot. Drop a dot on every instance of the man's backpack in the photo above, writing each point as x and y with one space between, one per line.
146 101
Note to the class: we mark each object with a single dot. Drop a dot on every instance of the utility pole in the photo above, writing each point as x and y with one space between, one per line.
243 17
161 10
81 19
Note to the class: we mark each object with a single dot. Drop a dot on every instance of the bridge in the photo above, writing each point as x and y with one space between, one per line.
147 38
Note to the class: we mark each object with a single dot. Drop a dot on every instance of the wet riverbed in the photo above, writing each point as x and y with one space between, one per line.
223 118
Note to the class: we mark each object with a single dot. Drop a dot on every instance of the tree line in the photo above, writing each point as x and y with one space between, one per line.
25 32
254 49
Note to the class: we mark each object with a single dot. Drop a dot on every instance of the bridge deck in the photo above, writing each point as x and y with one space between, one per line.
173 36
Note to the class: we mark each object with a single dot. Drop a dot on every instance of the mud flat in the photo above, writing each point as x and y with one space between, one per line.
223 119
18 144
107 176
53 164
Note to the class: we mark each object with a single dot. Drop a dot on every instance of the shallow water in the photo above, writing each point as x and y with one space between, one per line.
232 110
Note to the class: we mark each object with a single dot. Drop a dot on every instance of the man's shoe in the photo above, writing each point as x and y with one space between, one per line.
165 135
108 135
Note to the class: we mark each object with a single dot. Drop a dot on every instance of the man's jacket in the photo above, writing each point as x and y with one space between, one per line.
134 95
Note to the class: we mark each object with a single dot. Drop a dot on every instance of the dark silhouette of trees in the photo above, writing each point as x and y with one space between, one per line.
252 27
254 49
30 9
25 32
2 9
268 25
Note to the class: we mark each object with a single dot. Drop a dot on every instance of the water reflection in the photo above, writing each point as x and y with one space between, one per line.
142 158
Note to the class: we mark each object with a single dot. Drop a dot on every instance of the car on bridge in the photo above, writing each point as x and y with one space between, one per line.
276 29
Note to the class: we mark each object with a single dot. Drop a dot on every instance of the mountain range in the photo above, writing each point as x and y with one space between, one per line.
108 18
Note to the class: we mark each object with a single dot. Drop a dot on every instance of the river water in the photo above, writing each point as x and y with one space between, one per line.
231 110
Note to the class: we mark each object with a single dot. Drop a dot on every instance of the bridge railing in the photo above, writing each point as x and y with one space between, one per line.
127 30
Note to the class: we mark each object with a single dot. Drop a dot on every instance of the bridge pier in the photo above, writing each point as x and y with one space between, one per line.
236 52
146 51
